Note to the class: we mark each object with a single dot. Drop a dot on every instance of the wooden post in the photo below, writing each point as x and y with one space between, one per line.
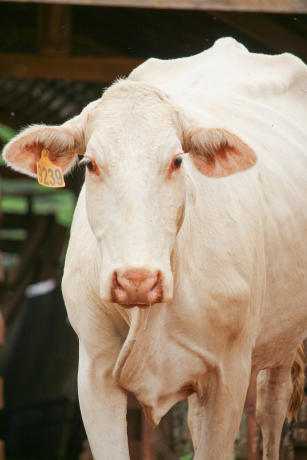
2 332
54 27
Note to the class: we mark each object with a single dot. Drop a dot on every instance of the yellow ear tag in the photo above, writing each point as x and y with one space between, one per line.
48 174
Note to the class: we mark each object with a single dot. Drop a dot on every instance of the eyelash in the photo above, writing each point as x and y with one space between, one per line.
90 164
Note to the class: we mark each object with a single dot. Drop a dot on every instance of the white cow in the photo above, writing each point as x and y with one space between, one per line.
178 280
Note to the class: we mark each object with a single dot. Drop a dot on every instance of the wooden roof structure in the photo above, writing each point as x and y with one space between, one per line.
90 40
56 56
274 6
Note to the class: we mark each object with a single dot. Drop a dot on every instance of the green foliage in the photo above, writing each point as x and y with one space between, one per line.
187 457
6 133
44 200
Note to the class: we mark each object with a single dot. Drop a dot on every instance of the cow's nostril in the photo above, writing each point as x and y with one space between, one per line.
137 286
156 292
117 291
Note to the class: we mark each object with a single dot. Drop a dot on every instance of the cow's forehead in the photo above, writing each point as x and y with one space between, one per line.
127 103
133 122
139 147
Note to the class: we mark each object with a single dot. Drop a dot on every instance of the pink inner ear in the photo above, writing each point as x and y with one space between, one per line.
28 155
24 151
226 160
61 159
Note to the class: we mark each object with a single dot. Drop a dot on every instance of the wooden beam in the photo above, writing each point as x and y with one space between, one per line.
268 6
98 69
30 250
14 301
2 333
54 29
267 31
2 277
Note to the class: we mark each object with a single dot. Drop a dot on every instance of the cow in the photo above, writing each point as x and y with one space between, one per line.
186 266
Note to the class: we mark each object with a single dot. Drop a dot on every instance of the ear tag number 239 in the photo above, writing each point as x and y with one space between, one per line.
48 174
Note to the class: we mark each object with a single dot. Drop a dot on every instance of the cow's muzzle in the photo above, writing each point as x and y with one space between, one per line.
137 287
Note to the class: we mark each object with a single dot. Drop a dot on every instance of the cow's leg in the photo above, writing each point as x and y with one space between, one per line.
224 398
103 406
274 390
195 411
103 403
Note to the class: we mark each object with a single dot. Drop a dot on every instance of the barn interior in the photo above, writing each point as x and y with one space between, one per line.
56 57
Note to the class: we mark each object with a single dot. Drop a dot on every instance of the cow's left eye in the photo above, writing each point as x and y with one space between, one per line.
90 164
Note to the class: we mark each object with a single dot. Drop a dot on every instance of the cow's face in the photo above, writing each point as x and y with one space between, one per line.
134 194
134 142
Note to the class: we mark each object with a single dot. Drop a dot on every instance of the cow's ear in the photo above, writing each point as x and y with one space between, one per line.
64 143
217 152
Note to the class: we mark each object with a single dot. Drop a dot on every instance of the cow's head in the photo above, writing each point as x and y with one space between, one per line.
134 141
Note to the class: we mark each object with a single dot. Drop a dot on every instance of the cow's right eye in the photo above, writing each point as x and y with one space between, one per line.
90 165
